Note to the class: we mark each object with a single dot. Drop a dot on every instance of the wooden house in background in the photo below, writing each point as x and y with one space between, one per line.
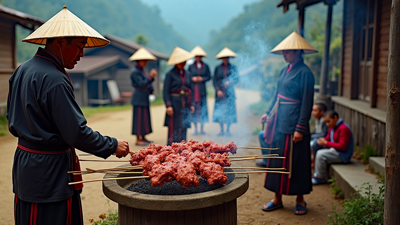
90 76
124 49
361 99
9 19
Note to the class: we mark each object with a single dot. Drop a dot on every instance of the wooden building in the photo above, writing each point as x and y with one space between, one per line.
90 79
124 49
9 19
362 93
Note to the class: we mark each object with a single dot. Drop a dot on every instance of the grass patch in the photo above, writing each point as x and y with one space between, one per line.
256 131
210 92
259 108
90 111
3 125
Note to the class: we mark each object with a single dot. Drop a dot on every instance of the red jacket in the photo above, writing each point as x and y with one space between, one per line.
341 137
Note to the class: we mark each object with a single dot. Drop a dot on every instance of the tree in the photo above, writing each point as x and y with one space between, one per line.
141 39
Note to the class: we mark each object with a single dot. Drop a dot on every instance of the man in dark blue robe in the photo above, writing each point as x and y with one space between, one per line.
141 122
225 78
43 114
200 75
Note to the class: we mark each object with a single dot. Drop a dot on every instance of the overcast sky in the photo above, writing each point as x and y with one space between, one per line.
195 19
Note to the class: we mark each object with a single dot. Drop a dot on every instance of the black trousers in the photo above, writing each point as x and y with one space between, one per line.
67 212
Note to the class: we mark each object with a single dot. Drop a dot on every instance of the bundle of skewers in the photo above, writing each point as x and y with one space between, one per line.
183 162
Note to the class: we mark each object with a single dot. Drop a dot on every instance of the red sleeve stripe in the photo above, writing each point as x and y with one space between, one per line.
302 127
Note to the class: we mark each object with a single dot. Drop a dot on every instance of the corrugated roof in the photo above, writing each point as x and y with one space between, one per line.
133 46
20 17
91 64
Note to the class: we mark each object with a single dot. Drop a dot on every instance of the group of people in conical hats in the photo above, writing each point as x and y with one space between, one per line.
43 114
184 94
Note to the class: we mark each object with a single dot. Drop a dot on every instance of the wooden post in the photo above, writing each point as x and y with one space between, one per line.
392 159
300 21
325 57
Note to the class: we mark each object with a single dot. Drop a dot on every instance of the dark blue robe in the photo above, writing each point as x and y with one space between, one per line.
200 105
43 114
225 107
295 86
176 81
141 122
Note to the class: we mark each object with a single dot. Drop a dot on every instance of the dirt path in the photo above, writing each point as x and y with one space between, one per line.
118 124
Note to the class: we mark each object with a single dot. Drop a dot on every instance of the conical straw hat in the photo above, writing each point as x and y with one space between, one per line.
178 56
226 52
66 24
198 51
142 54
294 42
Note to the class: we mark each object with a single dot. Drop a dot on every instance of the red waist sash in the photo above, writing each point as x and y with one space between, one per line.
273 115
75 165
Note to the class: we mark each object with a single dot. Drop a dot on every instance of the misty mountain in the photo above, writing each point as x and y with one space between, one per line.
122 18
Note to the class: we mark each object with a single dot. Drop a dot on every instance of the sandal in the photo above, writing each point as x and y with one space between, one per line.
316 181
299 207
271 206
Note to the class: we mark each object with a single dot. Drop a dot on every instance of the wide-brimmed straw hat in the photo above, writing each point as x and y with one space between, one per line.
179 55
142 54
226 52
198 51
66 24
294 42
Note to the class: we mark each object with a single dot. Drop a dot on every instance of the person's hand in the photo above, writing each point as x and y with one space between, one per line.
191 109
122 148
170 111
226 83
321 141
220 94
298 136
195 79
199 79
263 118
153 73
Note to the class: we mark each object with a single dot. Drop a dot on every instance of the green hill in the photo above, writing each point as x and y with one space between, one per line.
122 18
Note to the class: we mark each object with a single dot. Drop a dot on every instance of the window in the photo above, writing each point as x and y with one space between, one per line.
367 19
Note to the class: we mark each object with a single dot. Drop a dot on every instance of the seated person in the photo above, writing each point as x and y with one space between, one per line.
320 130
336 147
317 113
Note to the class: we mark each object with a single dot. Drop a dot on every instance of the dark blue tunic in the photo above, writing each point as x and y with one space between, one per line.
200 102
141 122
225 107
176 81
43 114
298 85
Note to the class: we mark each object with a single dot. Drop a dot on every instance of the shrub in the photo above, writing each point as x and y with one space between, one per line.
336 191
359 209
363 154
111 219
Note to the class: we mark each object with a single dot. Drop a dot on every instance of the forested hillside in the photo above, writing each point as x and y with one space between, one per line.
262 26
122 18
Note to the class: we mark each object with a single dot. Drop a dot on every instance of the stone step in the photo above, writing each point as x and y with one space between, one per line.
350 177
377 164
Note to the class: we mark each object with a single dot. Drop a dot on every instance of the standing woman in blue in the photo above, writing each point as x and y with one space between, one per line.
141 123
287 126
224 80
200 75
178 96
